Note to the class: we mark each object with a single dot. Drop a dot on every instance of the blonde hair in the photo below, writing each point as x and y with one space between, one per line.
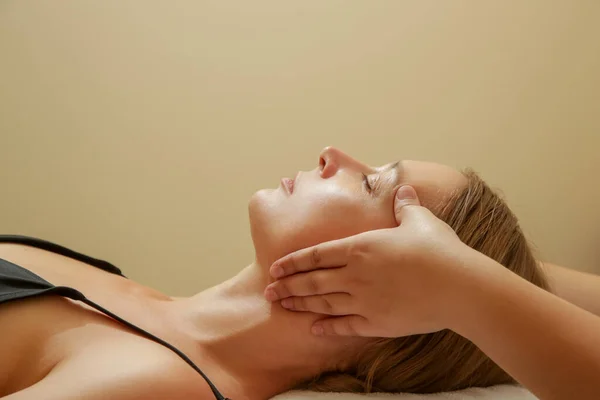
444 360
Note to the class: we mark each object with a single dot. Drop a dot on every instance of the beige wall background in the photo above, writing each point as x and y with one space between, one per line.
136 131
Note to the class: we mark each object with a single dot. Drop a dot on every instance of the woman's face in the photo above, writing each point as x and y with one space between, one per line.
340 197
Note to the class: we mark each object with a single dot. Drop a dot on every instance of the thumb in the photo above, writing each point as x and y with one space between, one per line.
405 196
351 325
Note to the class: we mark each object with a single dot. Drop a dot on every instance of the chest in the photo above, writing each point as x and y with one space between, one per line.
47 336
37 333
114 292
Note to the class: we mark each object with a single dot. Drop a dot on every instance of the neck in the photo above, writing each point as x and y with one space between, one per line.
260 348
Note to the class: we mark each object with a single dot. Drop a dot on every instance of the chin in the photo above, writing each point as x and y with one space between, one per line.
260 213
260 205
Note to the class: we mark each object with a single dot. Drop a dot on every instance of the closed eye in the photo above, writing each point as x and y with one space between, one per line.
366 182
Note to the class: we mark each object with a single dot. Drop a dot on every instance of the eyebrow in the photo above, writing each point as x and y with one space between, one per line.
397 170
397 166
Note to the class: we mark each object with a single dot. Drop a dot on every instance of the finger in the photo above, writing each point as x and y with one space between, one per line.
323 255
330 304
351 325
306 284
405 196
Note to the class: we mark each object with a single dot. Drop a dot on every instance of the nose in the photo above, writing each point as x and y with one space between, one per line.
333 159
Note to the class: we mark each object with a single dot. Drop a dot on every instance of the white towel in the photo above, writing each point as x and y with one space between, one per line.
499 392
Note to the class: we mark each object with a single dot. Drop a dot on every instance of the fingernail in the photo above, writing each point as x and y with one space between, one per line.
406 193
317 330
276 271
271 294
287 303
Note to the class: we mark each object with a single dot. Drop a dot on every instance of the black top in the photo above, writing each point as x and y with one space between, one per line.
18 283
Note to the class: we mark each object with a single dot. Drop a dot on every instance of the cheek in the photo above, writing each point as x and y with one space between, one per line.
281 224
327 215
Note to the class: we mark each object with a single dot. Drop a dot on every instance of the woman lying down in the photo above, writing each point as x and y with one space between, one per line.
73 327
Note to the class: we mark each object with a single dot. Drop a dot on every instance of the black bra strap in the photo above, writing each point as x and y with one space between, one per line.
58 249
76 295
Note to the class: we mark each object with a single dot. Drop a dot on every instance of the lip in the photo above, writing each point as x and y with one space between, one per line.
288 185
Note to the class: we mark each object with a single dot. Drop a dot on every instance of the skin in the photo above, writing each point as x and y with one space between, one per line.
250 348
332 201
420 278
576 287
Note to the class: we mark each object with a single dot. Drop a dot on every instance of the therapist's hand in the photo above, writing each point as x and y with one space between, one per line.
384 283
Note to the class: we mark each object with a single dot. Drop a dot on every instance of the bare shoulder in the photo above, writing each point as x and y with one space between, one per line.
142 371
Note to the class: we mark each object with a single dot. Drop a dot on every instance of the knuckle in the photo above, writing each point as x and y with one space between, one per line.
313 283
327 306
350 328
359 249
315 257
281 289
329 328
300 303
292 265
358 282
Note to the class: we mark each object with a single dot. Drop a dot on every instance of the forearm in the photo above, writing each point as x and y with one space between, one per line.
579 288
547 344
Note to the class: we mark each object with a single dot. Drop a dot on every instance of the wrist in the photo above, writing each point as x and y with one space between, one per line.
475 280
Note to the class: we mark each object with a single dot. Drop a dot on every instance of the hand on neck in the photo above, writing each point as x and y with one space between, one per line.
266 348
